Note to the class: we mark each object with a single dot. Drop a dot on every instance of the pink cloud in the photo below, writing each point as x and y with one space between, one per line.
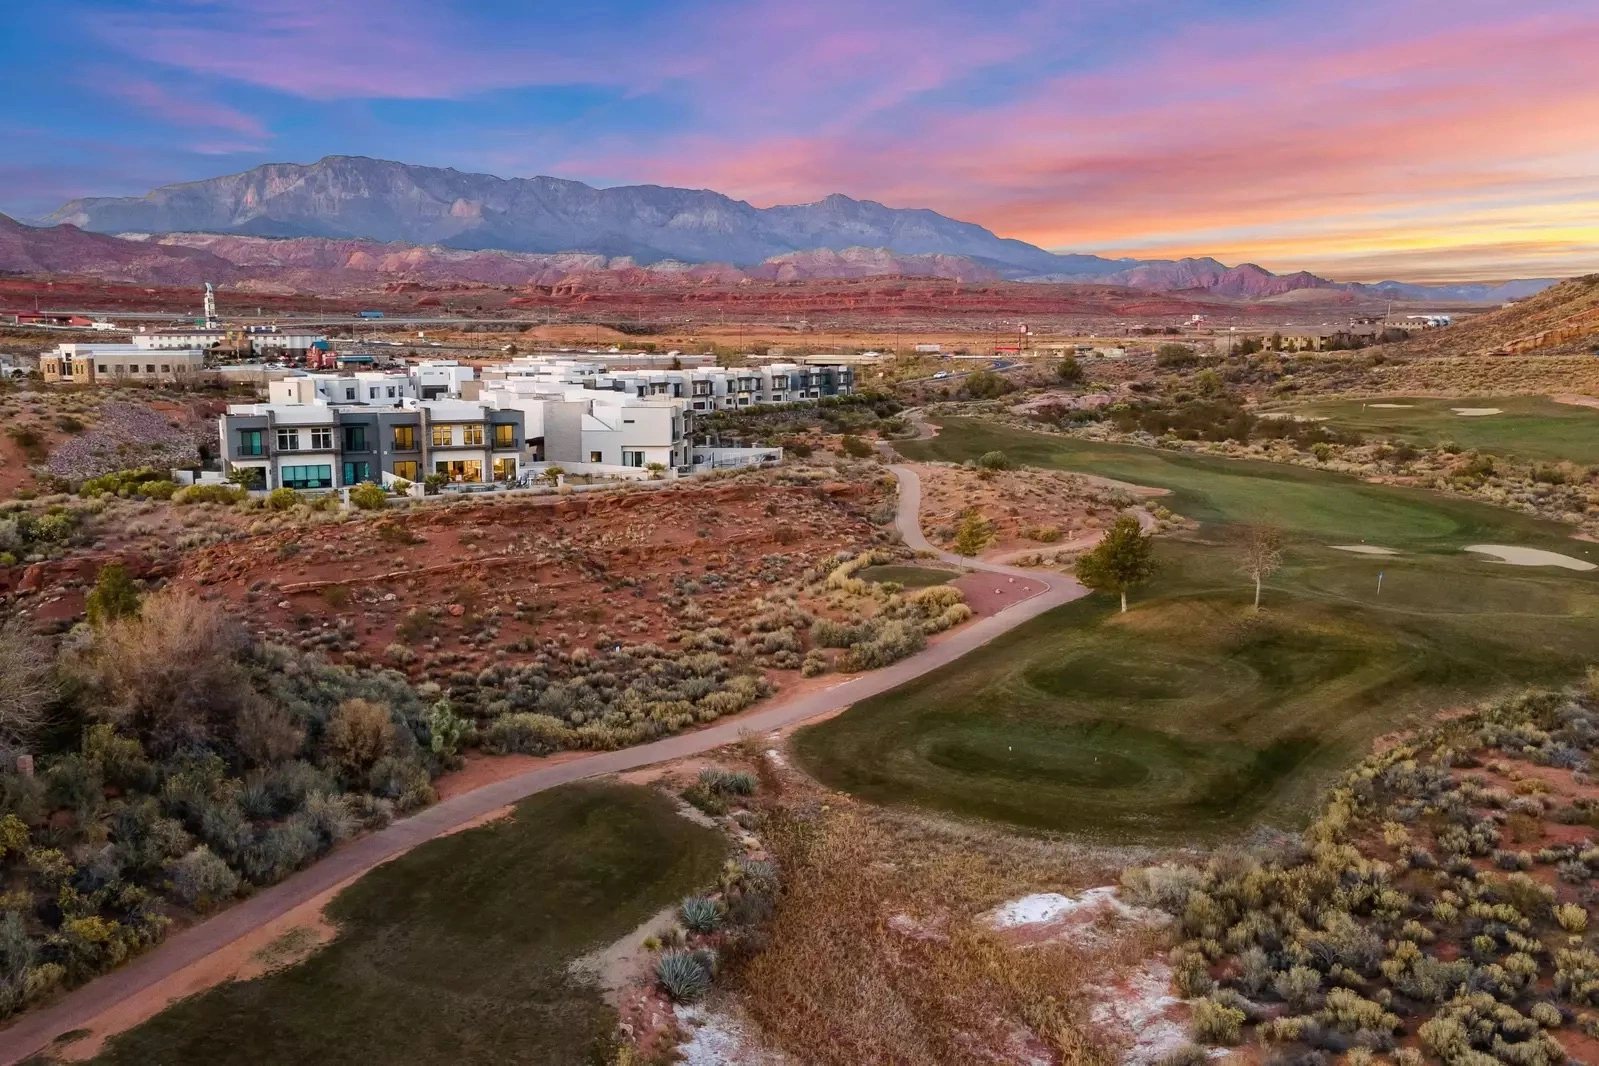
184 110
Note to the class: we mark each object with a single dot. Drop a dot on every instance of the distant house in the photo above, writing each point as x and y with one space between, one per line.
120 364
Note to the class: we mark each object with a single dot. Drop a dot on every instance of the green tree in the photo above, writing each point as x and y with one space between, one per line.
855 447
1175 356
114 596
973 534
1070 371
1123 559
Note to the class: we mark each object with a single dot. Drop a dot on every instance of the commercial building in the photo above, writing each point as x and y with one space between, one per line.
120 364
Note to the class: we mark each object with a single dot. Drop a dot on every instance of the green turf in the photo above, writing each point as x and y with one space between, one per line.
1530 427
458 952
1330 508
1191 717
911 577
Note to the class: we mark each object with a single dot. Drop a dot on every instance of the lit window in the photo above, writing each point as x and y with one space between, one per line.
472 435
504 436
443 436
405 468
405 438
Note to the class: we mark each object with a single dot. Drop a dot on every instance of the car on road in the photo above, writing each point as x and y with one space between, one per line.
941 375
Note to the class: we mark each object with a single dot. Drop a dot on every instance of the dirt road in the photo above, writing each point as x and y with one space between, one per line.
1036 592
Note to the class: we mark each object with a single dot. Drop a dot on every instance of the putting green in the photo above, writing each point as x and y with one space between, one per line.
1191 717
1527 427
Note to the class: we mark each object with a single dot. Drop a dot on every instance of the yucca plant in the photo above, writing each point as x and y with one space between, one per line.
701 914
681 976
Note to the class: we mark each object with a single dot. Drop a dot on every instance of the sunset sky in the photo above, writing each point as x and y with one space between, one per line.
1422 139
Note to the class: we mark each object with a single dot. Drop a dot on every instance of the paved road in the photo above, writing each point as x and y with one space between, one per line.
36 1029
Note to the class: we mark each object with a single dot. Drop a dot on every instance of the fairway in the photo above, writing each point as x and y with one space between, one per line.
457 952
1329 508
1528 427
1191 717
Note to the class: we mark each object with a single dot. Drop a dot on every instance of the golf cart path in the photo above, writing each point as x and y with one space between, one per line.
36 1029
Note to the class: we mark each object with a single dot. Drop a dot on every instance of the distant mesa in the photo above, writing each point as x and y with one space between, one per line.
423 215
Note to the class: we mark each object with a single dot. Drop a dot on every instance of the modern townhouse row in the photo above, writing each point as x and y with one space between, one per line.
321 446
337 430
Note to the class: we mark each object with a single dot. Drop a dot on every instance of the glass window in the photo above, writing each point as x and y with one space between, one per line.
632 458
355 438
391 392
372 393
349 393
460 470
443 436
102 368
149 368
405 468
504 469
322 439
250 442
308 477
504 436
472 435
355 473
288 440
165 369
596 457
405 438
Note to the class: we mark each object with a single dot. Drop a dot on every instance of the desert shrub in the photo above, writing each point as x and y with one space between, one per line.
404 782
265 735
360 733
726 783
1299 987
200 879
282 499
1215 1023
114 596
226 494
995 460
1165 887
369 497
447 731
814 665
681 976
893 641
855 447
170 676
701 914
27 682
526 733
1190 974
1572 918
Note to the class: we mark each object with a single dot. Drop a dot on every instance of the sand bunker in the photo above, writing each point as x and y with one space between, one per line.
1476 412
1391 406
1575 400
1530 556
1362 549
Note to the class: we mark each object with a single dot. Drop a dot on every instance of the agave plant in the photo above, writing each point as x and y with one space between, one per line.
701 914
682 976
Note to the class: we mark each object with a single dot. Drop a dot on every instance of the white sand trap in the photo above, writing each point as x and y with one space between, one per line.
1362 549
1530 556
1476 412
1391 406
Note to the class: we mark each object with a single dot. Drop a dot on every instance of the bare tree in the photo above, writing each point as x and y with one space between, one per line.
27 683
1260 554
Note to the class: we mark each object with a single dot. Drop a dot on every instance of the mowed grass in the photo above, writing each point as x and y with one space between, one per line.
1528 427
1191 717
911 577
1329 508
458 952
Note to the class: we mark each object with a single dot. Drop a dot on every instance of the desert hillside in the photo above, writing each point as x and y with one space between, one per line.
1563 320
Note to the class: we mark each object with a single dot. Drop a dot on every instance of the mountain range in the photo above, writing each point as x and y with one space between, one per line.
358 215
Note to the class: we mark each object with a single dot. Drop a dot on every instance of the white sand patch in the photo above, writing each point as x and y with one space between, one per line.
1575 400
1362 549
721 1039
1094 917
1392 406
1143 1010
1476 412
1290 416
1530 556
